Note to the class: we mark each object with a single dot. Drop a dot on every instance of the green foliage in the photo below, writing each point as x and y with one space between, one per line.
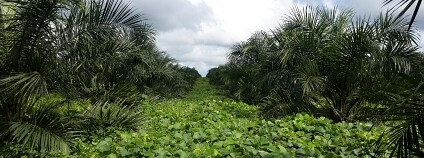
213 128
215 76
323 61
50 125
73 74
102 115
203 90
205 127
99 58
405 139
189 74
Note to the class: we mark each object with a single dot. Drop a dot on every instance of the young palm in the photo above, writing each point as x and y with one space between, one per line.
339 60
53 45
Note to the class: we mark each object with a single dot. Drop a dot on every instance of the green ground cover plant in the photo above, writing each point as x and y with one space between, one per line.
85 78
210 127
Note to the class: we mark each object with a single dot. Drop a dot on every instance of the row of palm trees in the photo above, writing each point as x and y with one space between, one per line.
330 63
77 68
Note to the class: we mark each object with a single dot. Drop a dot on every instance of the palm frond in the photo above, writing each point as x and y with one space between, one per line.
37 137
103 115
24 85
30 27
405 139
42 130
406 4
310 79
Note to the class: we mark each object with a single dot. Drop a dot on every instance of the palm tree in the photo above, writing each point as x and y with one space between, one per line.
336 58
406 106
245 61
71 48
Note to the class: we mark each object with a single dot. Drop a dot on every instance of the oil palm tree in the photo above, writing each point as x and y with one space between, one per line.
406 106
245 61
336 58
64 47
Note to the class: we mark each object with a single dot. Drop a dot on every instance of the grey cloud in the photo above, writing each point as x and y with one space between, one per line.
360 7
373 8
211 54
200 66
196 37
188 46
218 40
169 14
369 8
190 34
419 20
177 37
204 57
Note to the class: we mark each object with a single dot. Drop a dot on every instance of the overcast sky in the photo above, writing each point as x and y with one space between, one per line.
199 33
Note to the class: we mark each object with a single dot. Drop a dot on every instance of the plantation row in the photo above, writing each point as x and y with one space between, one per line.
85 78
206 125
331 63
72 69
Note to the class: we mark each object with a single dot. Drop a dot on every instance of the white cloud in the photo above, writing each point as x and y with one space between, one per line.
171 14
202 57
421 43
199 33
232 21
240 18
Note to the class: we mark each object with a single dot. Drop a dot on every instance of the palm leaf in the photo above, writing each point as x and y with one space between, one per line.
24 85
29 29
42 129
406 4
405 139
310 79
36 137
103 115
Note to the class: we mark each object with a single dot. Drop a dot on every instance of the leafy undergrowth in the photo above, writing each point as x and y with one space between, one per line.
206 125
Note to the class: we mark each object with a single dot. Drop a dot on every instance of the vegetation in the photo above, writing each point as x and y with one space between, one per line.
84 78
323 61
206 124
72 68
327 63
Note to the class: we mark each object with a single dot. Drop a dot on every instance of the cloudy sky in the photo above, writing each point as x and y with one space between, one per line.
199 33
